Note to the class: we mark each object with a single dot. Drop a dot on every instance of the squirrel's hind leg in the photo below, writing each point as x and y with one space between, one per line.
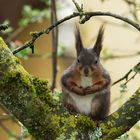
68 102
100 107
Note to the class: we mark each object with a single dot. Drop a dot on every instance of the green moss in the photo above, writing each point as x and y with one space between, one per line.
115 115
71 121
2 44
113 130
61 137
131 108
31 101
85 122
128 118
56 120
17 60
102 125
112 133
139 90
123 113
73 127
22 94
104 128
43 90
73 135
111 123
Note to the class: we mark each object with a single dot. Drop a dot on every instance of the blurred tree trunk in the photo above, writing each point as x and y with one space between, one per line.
31 102
54 44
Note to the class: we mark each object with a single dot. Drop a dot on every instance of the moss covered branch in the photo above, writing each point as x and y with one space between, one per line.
31 102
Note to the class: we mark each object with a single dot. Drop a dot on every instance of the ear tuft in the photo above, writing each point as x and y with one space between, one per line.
98 45
78 41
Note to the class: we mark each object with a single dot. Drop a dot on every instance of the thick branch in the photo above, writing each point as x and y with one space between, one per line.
29 99
123 119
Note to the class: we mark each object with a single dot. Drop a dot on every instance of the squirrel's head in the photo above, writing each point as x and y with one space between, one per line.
88 59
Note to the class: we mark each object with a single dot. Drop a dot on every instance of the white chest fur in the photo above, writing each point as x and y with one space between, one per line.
83 103
86 81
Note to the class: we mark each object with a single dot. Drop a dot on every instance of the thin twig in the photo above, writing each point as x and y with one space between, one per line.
132 77
125 19
80 9
115 56
54 43
124 77
127 74
36 35
46 31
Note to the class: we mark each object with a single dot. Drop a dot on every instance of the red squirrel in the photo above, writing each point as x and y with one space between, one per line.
86 84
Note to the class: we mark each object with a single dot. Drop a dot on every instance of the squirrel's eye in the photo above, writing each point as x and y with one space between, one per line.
96 61
78 61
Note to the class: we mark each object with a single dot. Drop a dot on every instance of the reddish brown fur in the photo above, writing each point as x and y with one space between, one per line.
71 79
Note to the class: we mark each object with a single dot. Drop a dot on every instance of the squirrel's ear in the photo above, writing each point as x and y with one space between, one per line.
98 45
78 41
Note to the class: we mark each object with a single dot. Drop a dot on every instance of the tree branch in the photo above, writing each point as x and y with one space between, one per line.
84 16
31 102
125 77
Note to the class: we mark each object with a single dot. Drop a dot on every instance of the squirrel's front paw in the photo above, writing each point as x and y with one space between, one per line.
78 90
71 107
88 90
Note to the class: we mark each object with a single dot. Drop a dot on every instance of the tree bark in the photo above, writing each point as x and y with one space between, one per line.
29 99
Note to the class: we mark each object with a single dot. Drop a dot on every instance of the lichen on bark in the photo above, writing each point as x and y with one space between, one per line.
31 102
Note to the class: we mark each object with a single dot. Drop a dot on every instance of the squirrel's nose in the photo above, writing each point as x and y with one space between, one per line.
86 71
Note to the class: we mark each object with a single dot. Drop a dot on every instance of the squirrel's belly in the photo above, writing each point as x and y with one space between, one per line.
83 103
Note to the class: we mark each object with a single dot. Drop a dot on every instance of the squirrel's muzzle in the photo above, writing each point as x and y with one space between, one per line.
86 71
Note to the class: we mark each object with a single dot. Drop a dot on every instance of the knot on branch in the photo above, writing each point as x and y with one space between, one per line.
47 31
83 17
35 34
